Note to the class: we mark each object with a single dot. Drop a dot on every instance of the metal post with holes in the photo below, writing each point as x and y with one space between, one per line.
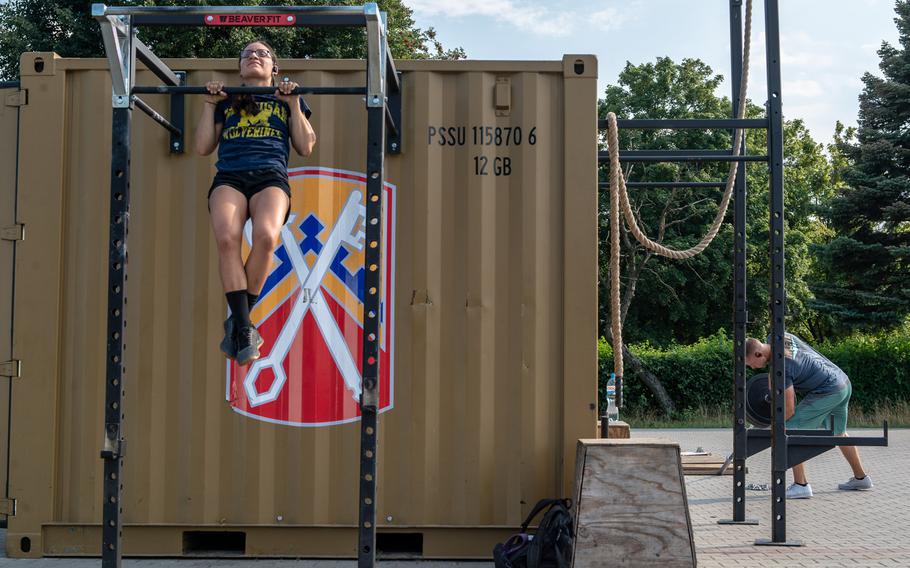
114 444
120 44
369 396
740 314
779 459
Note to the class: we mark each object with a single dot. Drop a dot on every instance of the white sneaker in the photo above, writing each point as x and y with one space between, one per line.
854 484
797 491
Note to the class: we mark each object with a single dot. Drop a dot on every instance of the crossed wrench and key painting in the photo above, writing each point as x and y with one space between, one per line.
348 229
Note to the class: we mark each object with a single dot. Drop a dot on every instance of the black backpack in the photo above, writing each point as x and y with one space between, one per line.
549 547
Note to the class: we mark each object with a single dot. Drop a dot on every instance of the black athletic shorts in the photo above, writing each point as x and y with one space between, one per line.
251 182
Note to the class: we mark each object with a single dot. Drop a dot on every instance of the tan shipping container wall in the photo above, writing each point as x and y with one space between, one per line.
9 126
495 320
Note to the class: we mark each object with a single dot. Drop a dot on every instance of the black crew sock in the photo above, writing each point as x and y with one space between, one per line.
251 299
240 308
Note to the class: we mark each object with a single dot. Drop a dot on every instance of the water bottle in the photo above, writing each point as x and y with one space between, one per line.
612 411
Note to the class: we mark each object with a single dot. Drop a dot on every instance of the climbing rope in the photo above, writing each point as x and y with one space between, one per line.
619 196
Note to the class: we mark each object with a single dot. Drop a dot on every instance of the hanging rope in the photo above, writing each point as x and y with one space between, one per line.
619 197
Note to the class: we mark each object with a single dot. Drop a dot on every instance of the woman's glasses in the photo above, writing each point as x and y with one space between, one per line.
247 53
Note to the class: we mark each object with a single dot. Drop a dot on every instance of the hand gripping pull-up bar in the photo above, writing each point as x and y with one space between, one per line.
382 95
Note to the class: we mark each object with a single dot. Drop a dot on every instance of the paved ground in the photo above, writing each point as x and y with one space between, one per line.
838 529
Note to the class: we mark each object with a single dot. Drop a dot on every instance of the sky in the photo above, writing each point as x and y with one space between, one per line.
826 45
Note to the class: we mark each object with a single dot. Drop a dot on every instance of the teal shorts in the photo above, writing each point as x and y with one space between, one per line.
813 411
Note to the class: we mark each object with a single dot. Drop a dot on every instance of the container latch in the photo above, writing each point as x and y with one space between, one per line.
13 233
17 98
503 96
8 507
11 368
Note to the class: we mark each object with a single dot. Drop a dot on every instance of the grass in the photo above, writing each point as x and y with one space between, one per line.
896 413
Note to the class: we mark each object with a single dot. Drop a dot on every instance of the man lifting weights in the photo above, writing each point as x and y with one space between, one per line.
825 391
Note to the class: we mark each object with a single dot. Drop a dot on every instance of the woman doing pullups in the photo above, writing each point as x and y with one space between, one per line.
253 134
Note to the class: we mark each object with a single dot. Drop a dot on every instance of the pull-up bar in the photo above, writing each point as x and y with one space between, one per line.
300 16
686 123
181 90
383 105
392 110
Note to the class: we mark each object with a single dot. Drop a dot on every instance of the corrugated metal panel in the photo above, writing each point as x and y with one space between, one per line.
495 286
9 125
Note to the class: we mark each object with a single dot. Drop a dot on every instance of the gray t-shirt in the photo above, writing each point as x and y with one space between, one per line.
809 371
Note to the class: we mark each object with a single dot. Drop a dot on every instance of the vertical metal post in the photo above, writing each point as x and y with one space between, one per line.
369 397
369 401
120 45
777 291
740 314
114 445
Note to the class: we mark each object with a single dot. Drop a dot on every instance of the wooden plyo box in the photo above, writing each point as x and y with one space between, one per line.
630 505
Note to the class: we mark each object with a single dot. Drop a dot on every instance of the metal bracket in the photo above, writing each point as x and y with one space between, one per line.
369 399
393 136
121 55
375 55
178 112
13 233
11 369
17 98
112 450
8 507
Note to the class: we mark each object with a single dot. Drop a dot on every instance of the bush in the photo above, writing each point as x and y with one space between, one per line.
701 375
878 367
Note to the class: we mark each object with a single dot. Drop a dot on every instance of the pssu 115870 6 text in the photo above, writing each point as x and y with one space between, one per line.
481 135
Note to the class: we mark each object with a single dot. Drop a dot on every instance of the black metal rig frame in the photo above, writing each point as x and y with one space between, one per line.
383 104
787 448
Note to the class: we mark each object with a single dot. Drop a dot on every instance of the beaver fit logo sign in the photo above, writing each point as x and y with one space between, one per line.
310 311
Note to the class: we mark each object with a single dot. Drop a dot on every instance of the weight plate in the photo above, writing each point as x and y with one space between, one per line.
758 401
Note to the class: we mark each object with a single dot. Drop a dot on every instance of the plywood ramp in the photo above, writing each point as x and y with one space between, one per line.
631 507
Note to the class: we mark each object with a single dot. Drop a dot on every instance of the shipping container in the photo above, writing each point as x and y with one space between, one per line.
489 318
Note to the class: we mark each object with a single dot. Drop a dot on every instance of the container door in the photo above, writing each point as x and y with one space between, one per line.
10 100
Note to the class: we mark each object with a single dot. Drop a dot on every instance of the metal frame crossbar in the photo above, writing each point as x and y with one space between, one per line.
119 25
669 184
787 448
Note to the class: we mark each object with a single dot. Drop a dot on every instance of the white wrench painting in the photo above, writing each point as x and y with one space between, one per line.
348 229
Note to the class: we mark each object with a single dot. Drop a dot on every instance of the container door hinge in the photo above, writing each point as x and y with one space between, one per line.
17 98
8 507
11 369
13 233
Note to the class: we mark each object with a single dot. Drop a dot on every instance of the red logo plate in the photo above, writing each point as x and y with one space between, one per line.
250 20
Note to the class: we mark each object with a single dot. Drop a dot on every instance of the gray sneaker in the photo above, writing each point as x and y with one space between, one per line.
796 491
248 342
229 343
854 484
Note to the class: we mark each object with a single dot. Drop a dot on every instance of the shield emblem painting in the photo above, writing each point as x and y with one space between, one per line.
310 310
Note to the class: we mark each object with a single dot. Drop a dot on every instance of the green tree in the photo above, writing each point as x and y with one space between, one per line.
667 301
866 267
66 27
